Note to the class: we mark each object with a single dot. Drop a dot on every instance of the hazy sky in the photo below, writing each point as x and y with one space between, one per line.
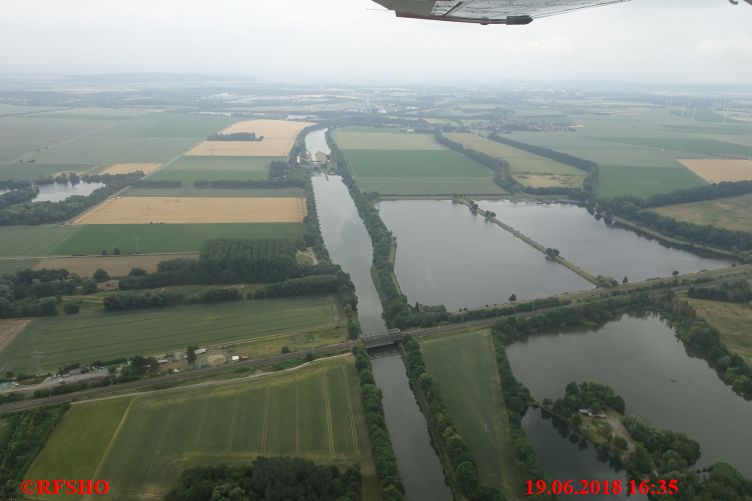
693 41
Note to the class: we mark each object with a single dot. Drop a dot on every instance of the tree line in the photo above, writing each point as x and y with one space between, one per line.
592 169
152 183
381 446
267 479
11 184
736 291
461 468
630 208
33 293
723 189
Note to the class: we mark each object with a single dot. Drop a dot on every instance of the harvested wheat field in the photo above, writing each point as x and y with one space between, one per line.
128 168
116 266
191 210
279 137
718 170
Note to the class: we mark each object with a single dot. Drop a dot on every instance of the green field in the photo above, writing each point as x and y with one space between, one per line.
701 146
429 186
464 368
312 412
34 240
31 171
371 138
732 213
98 335
521 162
74 455
189 169
14 265
732 321
144 238
644 181
96 149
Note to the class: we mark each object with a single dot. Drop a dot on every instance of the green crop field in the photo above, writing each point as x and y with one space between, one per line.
413 163
732 213
644 181
172 125
98 335
189 169
415 172
370 138
67 452
14 265
33 240
464 367
701 146
732 322
96 149
31 171
144 238
312 412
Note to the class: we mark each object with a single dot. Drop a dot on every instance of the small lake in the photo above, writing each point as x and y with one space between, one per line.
595 246
57 192
564 459
316 141
419 467
445 255
643 361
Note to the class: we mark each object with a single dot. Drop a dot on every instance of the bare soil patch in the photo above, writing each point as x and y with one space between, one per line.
128 168
116 266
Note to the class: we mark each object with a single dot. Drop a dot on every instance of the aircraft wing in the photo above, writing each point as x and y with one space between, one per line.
487 11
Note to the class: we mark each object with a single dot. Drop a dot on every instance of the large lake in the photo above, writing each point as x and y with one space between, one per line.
57 192
445 255
643 361
593 245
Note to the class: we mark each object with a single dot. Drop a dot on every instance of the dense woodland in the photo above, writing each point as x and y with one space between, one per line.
32 293
381 446
451 447
737 291
18 196
268 479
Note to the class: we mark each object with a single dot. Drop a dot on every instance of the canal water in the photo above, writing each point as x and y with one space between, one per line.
350 246
644 362
565 457
446 255
595 246
316 141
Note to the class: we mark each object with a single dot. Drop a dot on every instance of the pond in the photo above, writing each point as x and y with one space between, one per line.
643 361
445 255
595 246
57 192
